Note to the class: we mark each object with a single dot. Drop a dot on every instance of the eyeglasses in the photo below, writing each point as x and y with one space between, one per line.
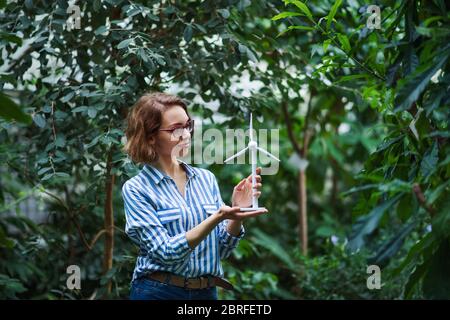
178 131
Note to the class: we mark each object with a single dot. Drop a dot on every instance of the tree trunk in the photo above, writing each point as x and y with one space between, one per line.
303 153
302 205
302 194
334 186
109 221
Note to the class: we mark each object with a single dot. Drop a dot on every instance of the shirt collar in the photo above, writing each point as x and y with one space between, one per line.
190 172
157 175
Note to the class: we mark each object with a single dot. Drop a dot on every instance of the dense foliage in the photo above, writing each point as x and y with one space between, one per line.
367 108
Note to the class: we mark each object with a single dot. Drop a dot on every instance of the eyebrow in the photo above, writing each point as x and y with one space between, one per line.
173 124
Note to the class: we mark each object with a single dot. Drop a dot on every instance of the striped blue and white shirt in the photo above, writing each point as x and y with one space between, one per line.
157 218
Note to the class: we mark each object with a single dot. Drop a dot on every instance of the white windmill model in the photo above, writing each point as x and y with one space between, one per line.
253 147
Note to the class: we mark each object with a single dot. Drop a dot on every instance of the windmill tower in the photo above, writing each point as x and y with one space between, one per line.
253 147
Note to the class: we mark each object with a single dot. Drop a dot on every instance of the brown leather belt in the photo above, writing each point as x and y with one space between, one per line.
190 283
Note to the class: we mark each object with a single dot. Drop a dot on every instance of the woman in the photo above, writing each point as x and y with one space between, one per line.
174 211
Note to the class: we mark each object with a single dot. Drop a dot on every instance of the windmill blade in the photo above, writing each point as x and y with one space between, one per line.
251 127
267 153
237 154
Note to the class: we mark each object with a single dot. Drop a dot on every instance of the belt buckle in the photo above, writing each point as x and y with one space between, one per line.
186 283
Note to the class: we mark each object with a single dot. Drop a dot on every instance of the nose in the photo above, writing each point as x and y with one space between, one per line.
186 134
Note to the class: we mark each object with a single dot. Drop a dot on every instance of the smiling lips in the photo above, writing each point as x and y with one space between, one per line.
185 145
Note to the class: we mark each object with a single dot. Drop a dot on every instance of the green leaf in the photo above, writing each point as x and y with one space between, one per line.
10 37
306 28
389 143
43 170
433 101
414 278
365 225
333 151
274 247
242 49
62 175
60 155
303 8
108 276
326 43
92 112
286 14
332 13
11 111
10 287
100 30
200 28
436 283
134 10
224 13
415 84
187 34
414 253
47 176
97 5
243 4
392 246
29 4
429 161
441 223
142 54
39 120
357 189
159 58
406 207
251 56
60 141
68 97
325 231
93 142
344 42
5 241
352 77
79 109
60 114
295 28
124 44
434 195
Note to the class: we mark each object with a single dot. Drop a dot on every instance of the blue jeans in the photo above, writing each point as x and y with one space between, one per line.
148 289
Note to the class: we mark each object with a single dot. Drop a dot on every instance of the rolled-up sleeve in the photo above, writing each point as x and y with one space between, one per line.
227 242
145 229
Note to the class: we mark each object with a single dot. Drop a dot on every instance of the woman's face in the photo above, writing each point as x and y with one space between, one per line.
165 142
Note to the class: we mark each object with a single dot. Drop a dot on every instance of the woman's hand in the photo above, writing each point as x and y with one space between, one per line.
242 193
234 213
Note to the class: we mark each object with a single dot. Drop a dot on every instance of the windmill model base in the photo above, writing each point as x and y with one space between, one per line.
252 209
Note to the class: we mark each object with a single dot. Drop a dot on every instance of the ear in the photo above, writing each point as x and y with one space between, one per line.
151 140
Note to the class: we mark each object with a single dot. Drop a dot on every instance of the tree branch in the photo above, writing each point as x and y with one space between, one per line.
74 220
289 128
421 198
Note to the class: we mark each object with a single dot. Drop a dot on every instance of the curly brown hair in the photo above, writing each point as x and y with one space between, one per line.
143 122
